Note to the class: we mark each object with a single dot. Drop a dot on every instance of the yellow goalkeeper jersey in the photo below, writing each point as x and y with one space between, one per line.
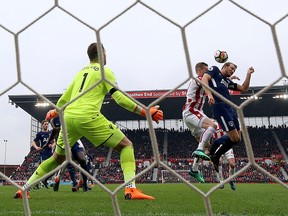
89 104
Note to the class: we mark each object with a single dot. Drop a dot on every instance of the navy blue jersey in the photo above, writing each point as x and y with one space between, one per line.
220 83
41 140
225 115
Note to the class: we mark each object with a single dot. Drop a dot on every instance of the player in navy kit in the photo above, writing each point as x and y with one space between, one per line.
228 156
225 115
40 142
44 146
90 168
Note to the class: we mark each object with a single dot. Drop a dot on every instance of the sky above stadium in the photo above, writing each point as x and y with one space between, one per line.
144 47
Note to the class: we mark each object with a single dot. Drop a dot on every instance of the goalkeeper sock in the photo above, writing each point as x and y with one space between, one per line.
42 169
127 161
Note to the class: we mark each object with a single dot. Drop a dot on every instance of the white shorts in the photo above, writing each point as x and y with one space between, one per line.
194 123
229 154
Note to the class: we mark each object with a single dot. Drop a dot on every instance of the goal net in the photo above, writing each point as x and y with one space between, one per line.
21 40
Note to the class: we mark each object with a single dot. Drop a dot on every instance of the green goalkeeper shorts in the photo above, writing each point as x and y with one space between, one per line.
97 130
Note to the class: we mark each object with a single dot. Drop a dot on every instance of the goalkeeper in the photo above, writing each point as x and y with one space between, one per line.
83 118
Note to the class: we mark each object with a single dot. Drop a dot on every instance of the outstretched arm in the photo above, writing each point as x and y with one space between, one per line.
245 86
130 105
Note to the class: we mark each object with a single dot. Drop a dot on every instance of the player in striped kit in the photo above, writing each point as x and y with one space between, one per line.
201 127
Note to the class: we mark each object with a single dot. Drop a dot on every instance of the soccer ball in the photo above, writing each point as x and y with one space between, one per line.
220 56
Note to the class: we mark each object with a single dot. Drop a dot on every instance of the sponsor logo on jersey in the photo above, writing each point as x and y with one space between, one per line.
224 82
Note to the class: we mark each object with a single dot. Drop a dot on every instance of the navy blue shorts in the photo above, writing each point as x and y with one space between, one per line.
226 116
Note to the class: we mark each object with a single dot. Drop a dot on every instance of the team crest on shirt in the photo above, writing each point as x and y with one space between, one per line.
231 123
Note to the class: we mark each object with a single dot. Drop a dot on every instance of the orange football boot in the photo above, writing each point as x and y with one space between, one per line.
19 195
134 193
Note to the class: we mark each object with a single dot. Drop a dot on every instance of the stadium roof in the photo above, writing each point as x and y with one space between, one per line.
270 103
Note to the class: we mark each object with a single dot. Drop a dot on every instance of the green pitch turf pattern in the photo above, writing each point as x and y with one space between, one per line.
171 199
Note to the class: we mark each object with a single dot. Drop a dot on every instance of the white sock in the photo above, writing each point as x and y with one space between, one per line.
231 171
218 177
220 173
206 136
195 165
131 185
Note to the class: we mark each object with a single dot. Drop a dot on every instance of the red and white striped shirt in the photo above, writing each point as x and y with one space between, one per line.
195 97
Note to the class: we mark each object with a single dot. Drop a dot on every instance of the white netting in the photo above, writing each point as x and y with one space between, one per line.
57 8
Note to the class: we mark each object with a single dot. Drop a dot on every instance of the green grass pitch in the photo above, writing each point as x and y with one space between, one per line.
171 199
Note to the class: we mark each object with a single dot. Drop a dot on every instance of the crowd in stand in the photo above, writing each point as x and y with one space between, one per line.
177 155
25 170
283 136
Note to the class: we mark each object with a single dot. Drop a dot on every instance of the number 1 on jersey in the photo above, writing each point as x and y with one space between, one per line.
83 81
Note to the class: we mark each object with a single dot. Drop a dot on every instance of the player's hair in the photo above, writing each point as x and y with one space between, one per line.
93 52
44 122
200 65
228 64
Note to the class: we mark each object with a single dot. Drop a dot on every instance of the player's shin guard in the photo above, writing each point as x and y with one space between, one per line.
224 148
217 142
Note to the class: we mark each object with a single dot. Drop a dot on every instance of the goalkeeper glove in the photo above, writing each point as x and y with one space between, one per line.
155 113
51 114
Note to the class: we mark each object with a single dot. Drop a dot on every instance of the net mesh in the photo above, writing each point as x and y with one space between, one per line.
179 176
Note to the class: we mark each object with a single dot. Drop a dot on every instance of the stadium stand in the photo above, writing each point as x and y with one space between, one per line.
179 147
269 143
